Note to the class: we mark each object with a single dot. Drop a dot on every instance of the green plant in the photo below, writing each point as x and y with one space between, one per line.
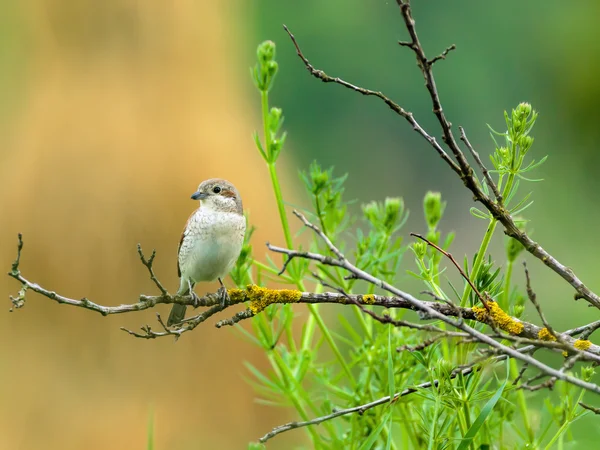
460 398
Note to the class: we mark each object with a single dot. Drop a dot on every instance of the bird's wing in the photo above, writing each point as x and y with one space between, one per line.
183 234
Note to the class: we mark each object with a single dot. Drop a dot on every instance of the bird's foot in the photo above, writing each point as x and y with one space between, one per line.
195 299
223 295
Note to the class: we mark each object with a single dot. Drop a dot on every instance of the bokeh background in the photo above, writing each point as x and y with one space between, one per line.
112 112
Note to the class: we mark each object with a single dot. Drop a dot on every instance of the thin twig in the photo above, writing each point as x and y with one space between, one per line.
443 55
355 409
486 174
533 299
188 325
460 270
148 263
361 409
392 105
461 167
421 306
590 408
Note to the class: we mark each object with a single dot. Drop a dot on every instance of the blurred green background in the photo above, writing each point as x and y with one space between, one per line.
112 112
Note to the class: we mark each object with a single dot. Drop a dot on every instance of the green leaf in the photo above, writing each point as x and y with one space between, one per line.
275 387
520 210
150 432
259 145
478 213
391 383
484 414
368 444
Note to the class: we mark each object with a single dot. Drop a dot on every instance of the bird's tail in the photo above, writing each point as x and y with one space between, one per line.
178 311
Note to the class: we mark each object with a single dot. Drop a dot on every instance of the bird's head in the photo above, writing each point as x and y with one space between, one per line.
220 195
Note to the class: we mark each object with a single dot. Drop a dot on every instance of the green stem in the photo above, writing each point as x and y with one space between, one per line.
487 237
507 279
514 373
272 271
513 364
489 233
280 206
314 309
292 392
264 99
320 216
567 422
329 338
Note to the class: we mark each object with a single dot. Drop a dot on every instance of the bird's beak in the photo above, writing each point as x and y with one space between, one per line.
199 195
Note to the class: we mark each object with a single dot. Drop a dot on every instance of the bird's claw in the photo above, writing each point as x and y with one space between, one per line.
223 295
195 299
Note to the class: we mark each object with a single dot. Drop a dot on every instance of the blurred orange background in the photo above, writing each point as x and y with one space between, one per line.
123 109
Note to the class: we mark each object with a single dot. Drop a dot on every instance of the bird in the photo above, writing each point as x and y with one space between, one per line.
211 241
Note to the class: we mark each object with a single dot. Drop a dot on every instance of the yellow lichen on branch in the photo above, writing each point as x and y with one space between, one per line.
581 344
368 299
261 297
545 335
498 317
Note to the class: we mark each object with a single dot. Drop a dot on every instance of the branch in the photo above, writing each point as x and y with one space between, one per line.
148 264
470 368
533 299
590 408
432 313
355 409
461 167
486 174
259 298
460 270
392 105
443 55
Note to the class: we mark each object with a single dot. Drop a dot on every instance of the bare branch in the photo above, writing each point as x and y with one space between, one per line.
322 235
590 408
355 409
177 330
148 263
532 298
486 174
432 313
361 409
462 168
466 172
443 55
392 105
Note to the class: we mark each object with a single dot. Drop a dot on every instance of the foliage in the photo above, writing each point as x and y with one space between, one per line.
351 359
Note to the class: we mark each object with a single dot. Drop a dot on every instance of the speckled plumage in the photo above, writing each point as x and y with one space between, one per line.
211 244
212 239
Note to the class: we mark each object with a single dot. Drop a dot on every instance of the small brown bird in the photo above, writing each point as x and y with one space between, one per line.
211 241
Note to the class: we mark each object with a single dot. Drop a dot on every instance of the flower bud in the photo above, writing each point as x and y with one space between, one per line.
420 249
525 142
271 68
320 181
275 114
524 110
394 207
371 212
266 52
587 372
445 367
518 310
433 207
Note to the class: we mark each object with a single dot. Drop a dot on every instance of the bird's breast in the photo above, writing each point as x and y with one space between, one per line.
211 245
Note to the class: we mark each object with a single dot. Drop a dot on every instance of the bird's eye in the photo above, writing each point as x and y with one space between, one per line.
216 189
